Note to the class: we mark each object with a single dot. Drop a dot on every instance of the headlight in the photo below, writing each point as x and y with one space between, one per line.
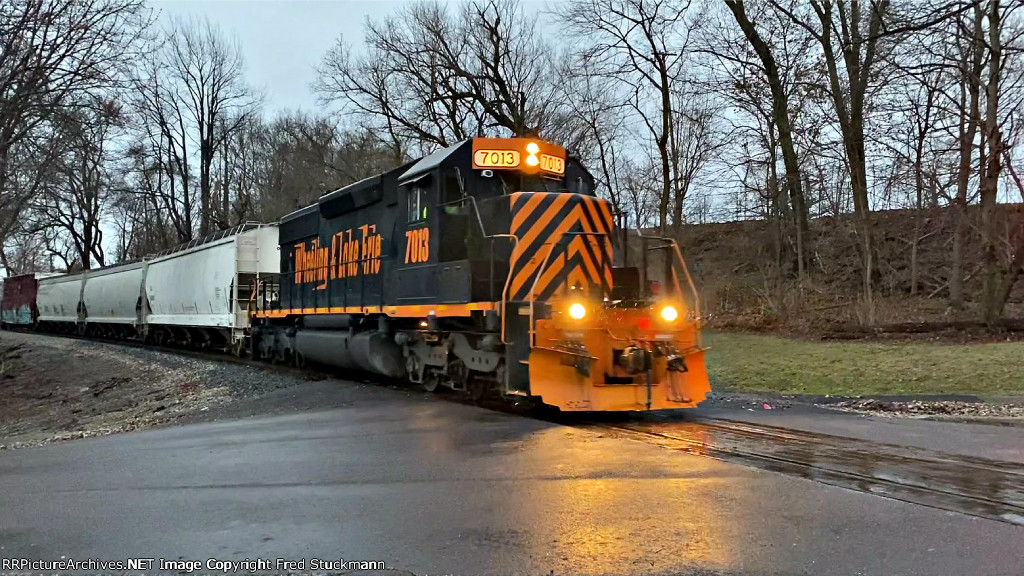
577 311
669 313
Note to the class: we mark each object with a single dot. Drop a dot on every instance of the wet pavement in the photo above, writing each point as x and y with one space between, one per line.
967 484
435 487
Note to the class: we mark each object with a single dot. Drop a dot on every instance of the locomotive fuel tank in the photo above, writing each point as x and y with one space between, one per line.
369 351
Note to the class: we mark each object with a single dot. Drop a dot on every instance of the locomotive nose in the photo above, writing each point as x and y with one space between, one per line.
618 359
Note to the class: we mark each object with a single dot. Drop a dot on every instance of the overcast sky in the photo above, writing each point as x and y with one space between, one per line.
283 40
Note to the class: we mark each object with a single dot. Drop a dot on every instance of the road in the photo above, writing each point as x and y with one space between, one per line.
435 487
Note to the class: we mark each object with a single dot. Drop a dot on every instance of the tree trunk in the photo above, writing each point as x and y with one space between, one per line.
969 120
780 112
995 269
226 184
666 170
854 141
919 185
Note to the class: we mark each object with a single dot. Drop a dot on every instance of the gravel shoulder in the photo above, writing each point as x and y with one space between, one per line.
54 388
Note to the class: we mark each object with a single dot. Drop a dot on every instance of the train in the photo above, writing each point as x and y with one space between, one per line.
489 267
197 294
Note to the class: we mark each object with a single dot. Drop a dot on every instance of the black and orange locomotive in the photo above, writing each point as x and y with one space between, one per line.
486 267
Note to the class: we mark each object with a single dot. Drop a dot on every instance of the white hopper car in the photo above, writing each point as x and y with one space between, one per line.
197 294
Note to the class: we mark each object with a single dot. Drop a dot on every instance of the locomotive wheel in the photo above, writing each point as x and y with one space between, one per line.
458 376
477 387
278 356
430 382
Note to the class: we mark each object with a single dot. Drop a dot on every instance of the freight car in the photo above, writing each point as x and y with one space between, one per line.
18 300
197 294
486 267
18 303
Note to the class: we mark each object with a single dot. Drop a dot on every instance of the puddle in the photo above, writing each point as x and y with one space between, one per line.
970 485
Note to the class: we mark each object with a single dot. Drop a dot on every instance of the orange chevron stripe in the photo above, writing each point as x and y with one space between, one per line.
601 211
530 267
591 213
551 272
575 247
599 244
514 198
531 235
522 214
595 215
577 275
606 209
542 222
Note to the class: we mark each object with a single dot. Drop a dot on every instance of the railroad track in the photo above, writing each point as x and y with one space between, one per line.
211 354
969 485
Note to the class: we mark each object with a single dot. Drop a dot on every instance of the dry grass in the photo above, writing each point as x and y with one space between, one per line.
754 362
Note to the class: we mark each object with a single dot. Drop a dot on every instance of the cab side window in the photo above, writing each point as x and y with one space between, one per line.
418 204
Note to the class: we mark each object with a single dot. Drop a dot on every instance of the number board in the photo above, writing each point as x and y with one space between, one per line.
496 158
550 163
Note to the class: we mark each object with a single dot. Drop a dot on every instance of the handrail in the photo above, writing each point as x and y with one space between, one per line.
533 288
689 279
511 267
540 271
211 237
508 282
671 243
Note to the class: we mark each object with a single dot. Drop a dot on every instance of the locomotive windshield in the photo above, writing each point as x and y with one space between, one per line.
503 183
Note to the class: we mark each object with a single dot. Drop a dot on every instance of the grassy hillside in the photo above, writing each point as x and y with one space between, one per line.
747 280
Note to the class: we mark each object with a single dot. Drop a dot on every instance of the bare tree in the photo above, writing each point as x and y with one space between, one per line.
644 45
430 77
205 70
593 128
191 96
1004 105
780 88
920 116
75 201
51 53
855 37
971 63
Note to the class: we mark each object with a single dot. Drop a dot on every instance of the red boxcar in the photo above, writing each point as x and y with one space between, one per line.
19 300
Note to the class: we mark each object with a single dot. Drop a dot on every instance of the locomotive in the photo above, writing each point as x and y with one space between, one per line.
491 268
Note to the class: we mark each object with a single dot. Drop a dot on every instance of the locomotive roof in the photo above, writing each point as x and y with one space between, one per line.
429 162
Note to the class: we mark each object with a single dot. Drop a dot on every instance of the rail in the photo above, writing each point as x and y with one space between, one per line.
966 484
